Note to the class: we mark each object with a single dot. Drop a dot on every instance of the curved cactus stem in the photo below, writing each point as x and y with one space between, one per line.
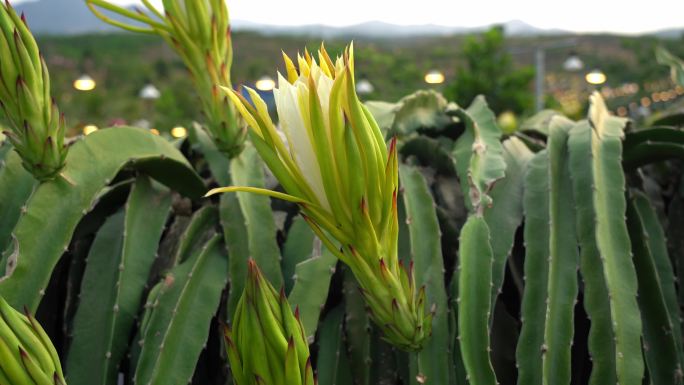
107 202
182 242
311 287
563 261
112 286
426 254
332 365
458 372
532 314
298 247
218 163
357 330
596 298
16 186
657 297
474 291
254 226
651 135
652 152
613 240
94 316
179 325
478 154
56 206
506 213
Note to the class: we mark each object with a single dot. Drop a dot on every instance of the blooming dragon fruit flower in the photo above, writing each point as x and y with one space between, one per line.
334 163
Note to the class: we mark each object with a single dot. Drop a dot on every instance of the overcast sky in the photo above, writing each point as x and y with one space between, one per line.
575 15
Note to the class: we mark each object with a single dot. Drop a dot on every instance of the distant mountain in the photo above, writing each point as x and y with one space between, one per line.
367 29
61 17
671 33
381 29
520 28
69 17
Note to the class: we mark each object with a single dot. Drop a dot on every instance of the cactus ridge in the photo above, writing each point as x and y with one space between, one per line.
136 238
563 261
536 270
662 330
596 298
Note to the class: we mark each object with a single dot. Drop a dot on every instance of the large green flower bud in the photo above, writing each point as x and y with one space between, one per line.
199 31
36 126
335 164
27 356
266 344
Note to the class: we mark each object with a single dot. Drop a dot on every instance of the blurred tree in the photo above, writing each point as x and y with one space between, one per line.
489 70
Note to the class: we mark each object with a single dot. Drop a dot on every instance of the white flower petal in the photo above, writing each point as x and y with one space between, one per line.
300 144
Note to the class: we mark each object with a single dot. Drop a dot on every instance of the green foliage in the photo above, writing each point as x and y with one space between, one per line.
676 65
56 206
105 317
596 298
488 69
533 310
428 263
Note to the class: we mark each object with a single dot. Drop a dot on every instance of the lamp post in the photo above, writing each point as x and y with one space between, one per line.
595 77
572 63
84 83
265 83
149 92
434 77
364 87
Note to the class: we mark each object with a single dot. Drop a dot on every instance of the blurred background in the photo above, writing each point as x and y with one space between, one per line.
103 77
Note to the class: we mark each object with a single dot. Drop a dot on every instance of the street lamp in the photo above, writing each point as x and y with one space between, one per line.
149 92
364 87
434 77
179 132
84 83
572 63
595 77
265 83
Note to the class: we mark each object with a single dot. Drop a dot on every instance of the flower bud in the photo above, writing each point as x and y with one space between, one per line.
266 343
36 128
26 354
334 163
199 32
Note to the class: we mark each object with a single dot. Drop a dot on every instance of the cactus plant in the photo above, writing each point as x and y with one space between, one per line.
496 226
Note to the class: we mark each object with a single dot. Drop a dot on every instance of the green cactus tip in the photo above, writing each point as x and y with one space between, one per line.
36 127
266 343
27 355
